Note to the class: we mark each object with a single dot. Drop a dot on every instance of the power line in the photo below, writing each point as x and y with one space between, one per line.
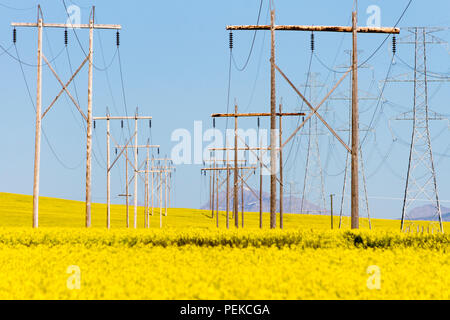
123 91
81 46
253 43
387 37
379 99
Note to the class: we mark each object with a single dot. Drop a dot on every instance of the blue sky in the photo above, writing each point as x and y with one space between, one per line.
175 61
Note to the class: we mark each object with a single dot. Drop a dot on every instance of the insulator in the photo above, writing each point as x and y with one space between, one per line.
14 35
394 44
258 122
150 123
137 151
121 124
231 40
303 119
94 124
158 150
117 38
214 122
66 37
116 151
312 42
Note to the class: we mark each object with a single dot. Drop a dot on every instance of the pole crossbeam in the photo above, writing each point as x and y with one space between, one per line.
68 25
347 29
264 114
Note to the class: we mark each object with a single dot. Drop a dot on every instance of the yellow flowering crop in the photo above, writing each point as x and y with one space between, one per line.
220 264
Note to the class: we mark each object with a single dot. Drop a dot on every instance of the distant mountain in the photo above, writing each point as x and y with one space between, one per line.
251 203
428 213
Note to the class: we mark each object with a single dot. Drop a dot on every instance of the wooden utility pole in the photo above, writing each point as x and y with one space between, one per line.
89 123
108 176
228 192
147 190
210 193
217 199
273 126
260 189
242 197
37 152
354 29
331 211
153 178
213 190
281 170
40 25
355 128
126 188
135 195
165 189
160 199
235 188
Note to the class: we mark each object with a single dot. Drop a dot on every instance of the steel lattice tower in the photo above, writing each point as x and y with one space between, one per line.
313 186
421 184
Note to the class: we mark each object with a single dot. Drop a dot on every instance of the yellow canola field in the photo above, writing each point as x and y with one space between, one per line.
190 259
218 264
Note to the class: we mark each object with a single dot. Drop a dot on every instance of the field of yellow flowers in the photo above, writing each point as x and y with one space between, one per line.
190 259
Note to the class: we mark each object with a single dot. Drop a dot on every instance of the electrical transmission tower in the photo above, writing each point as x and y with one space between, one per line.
313 186
421 184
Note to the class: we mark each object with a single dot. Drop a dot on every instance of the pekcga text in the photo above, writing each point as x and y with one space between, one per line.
246 309
229 309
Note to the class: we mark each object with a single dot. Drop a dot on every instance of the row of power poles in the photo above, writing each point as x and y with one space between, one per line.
160 173
156 173
239 177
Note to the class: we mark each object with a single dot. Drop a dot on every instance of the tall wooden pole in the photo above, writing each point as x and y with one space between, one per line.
213 189
135 196
331 212
147 190
273 181
281 170
235 190
228 192
210 191
126 188
260 192
165 188
355 129
169 176
108 177
160 199
89 123
153 178
217 200
37 142
242 197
